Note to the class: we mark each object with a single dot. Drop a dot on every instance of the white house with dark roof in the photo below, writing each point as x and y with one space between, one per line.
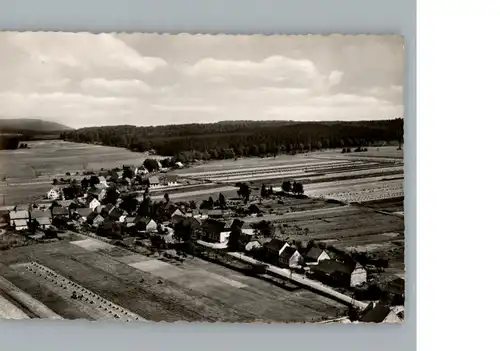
102 181
172 180
54 194
153 182
315 255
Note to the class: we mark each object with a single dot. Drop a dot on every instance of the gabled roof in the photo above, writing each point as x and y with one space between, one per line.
84 212
18 215
178 212
214 225
287 253
274 245
314 253
171 178
375 314
43 221
39 214
116 213
153 180
20 222
56 211
332 266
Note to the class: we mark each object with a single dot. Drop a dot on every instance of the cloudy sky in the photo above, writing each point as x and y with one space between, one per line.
149 79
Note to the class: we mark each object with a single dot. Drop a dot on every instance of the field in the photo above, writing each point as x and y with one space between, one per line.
28 173
195 290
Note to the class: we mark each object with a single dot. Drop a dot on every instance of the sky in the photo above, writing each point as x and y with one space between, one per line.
83 79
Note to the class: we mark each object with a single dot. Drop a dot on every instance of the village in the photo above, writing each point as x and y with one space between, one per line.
131 208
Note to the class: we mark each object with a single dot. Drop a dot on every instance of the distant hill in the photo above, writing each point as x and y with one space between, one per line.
22 125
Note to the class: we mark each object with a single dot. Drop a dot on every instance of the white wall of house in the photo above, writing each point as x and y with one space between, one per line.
323 256
53 194
93 204
151 226
295 260
358 276
252 245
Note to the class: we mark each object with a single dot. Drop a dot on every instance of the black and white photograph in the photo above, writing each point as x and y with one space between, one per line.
202 178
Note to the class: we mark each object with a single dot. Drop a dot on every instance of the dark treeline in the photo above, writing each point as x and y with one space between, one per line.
240 138
9 142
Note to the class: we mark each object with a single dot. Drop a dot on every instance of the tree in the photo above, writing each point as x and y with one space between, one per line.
192 204
111 196
151 165
244 191
222 201
298 188
264 228
263 191
166 197
233 242
94 180
145 208
129 204
270 191
55 181
183 231
286 186
85 183
157 242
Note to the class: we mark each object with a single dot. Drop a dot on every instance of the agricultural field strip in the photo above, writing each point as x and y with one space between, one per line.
101 308
360 197
356 184
270 169
10 311
355 173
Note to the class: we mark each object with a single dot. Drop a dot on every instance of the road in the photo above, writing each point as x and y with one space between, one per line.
301 279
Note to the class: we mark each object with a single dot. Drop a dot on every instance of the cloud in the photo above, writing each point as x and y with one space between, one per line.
118 86
84 51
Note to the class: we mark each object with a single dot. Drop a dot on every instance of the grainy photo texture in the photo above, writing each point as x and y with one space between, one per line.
201 178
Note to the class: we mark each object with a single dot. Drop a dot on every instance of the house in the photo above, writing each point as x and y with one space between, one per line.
315 255
117 215
141 171
172 180
106 210
20 224
18 216
99 194
177 216
348 274
41 217
129 222
54 194
252 245
153 182
290 257
145 224
179 164
213 229
274 248
83 213
62 212
102 181
379 313
215 214
95 219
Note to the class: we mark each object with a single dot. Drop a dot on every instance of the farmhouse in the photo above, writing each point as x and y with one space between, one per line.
349 274
153 182
18 216
99 194
315 255
274 248
172 180
62 212
41 217
141 171
92 203
54 194
213 229
252 245
20 224
145 224
379 314
117 215
102 181
290 257
95 219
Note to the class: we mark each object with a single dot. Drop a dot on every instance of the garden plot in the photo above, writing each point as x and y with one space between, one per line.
94 305
354 173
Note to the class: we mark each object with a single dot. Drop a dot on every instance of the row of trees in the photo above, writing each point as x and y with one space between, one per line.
237 139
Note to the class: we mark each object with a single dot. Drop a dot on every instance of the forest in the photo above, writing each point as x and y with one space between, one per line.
231 139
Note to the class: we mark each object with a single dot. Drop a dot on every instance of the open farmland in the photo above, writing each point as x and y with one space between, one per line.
195 290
